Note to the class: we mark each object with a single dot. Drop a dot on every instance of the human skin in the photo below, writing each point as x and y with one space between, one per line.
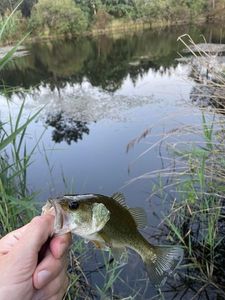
33 265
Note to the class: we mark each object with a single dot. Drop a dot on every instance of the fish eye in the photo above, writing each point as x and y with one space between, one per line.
73 205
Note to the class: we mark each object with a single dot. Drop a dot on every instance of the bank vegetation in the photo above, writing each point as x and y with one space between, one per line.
69 18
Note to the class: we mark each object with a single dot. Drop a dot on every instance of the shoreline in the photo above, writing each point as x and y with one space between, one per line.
114 28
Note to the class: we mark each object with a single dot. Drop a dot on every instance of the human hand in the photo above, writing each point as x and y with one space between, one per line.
22 276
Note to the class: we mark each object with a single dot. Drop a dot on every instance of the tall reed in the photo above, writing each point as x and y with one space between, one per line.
16 206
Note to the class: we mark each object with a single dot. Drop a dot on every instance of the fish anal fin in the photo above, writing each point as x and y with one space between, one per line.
119 197
119 254
105 238
139 216
161 261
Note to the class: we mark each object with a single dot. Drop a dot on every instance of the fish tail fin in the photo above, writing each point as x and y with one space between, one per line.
161 261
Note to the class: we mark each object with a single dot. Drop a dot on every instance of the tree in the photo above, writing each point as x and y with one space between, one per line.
90 7
27 6
119 8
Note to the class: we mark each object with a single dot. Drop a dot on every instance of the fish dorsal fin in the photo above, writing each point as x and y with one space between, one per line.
119 197
139 216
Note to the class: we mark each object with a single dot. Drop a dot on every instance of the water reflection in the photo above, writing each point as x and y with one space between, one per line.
78 104
66 128
104 61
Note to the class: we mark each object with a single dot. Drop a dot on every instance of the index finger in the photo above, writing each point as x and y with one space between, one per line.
36 234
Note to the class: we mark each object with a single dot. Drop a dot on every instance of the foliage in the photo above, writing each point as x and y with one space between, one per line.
136 9
197 7
57 17
101 19
25 8
120 9
49 17
90 7
170 9
14 27
6 5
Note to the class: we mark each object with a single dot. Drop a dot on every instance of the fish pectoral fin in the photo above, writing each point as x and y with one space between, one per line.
119 254
98 244
106 239
139 216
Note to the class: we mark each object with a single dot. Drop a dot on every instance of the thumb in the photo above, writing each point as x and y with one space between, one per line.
35 235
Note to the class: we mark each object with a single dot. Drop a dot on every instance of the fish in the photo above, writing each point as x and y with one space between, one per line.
109 223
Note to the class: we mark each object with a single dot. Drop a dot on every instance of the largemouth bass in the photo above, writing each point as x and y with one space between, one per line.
109 223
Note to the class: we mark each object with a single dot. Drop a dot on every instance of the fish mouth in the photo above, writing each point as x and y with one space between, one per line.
59 216
53 207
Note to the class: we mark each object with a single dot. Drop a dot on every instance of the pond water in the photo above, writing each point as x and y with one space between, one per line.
99 94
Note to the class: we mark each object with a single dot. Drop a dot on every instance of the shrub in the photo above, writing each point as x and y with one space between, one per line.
58 17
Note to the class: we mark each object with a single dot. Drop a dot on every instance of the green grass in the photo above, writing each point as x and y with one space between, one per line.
197 218
13 26
109 271
16 203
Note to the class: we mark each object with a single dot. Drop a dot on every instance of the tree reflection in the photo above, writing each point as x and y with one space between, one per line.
66 128
104 61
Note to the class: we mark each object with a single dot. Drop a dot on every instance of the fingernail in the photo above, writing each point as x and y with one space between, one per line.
43 277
